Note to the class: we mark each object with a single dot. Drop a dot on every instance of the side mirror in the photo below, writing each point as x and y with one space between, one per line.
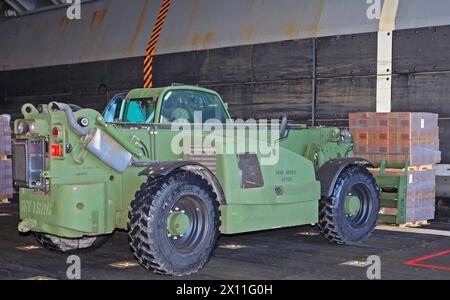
284 127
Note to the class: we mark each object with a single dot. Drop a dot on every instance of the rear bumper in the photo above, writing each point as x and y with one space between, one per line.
70 211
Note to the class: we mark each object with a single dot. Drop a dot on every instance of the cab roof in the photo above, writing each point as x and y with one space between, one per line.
150 93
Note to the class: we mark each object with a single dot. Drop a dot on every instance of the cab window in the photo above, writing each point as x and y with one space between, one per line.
113 110
193 106
140 111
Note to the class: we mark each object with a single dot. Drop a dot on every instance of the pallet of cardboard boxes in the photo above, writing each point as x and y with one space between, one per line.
404 147
6 188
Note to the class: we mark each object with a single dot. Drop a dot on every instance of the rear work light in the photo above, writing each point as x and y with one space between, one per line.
56 150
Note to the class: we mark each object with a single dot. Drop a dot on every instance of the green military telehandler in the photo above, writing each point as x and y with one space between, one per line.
164 165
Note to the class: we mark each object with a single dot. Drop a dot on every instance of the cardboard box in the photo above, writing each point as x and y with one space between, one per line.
397 136
5 136
421 196
6 184
420 204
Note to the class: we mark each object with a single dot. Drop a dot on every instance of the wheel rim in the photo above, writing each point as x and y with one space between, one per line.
357 205
187 223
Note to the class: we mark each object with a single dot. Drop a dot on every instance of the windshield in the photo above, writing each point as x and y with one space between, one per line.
114 109
140 111
193 106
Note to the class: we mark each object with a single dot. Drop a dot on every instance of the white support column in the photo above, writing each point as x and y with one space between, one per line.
384 61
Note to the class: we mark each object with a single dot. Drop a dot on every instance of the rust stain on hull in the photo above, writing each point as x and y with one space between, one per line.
317 26
249 32
93 17
61 21
59 38
209 36
138 29
102 17
195 40
292 30
96 25
194 14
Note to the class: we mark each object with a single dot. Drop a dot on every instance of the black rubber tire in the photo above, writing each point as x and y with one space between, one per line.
333 221
63 245
147 227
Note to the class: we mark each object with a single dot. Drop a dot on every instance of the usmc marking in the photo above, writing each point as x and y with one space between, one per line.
36 208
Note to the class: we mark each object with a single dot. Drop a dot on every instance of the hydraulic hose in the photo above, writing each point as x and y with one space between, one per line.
71 118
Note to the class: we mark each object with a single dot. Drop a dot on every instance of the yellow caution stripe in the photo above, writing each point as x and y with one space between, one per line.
151 46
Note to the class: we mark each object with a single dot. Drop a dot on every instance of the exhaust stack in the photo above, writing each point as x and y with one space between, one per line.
105 148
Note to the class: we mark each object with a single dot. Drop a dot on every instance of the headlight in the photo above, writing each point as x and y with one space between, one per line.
32 127
22 128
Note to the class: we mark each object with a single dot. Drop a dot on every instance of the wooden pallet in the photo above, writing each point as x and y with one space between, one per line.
417 224
414 224
421 168
400 172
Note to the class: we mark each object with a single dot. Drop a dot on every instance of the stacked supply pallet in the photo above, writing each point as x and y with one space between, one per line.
408 197
397 137
6 188
404 147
